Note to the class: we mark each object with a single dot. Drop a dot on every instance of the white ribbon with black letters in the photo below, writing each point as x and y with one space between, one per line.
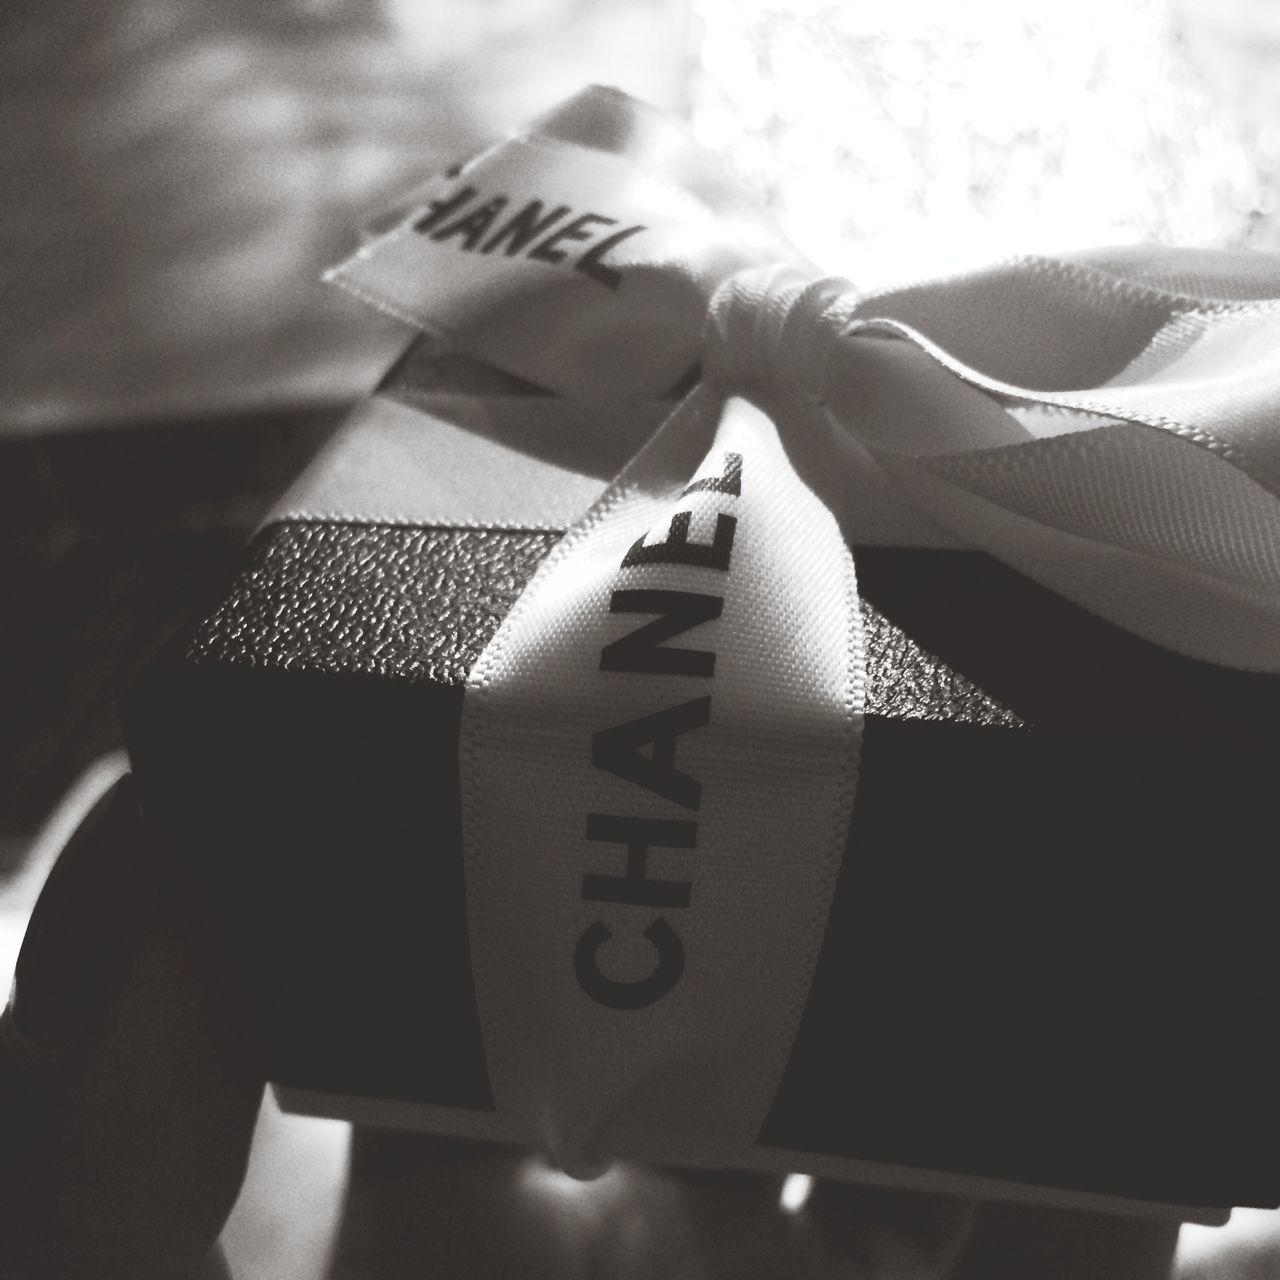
659 748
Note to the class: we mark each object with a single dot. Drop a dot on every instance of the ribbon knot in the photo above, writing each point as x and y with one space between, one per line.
771 331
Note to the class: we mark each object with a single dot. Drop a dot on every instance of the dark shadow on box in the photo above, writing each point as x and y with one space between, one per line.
110 537
1052 948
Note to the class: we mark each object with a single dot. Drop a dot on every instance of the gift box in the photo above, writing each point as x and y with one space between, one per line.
1051 944
957 879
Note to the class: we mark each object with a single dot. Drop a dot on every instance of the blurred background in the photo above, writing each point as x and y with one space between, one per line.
174 177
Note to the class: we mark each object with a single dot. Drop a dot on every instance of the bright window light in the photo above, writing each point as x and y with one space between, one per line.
895 142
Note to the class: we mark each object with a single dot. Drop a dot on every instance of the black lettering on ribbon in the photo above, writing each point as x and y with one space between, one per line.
643 751
619 751
523 227
639 992
639 835
591 263
677 549
728 481
475 225
642 650
578 229
439 210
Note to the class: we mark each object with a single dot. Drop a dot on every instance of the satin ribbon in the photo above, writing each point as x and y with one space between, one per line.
659 748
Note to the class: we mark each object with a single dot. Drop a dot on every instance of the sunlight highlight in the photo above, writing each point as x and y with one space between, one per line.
903 141
796 1191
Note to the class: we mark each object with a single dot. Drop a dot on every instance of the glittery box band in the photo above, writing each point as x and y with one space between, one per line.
1052 934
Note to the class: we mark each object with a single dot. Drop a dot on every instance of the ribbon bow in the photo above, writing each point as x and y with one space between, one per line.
660 746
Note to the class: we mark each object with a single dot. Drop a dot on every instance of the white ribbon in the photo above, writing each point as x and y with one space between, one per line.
653 825
660 746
